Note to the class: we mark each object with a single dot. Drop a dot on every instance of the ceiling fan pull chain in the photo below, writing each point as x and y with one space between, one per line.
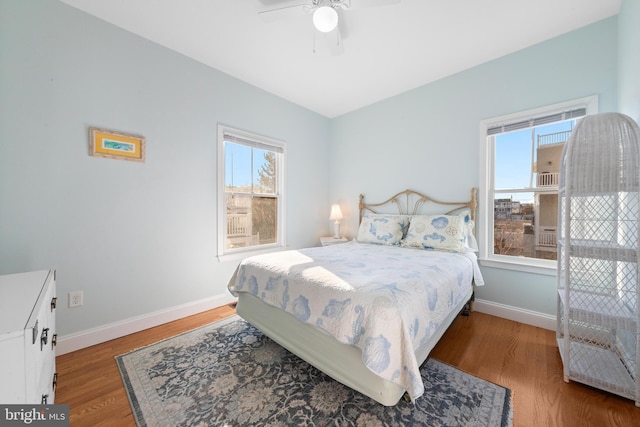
314 40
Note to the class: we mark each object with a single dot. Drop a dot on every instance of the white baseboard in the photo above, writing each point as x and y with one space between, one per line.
89 337
534 318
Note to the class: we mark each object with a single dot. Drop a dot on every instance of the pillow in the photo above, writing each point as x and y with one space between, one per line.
470 238
383 229
442 232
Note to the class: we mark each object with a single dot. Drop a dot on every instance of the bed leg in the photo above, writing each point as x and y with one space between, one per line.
466 310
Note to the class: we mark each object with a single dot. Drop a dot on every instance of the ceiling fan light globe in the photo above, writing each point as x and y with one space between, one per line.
325 19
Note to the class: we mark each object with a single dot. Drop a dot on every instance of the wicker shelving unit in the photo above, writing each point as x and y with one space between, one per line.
598 255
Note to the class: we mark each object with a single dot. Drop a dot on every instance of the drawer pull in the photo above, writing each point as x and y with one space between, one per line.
54 300
45 397
44 338
35 333
55 381
54 340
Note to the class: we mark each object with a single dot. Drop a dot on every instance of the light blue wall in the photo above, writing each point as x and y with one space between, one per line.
427 139
134 237
141 237
629 59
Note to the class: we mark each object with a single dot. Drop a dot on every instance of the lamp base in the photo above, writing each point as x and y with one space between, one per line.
336 230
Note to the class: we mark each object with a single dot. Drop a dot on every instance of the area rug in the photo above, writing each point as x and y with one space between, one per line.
229 374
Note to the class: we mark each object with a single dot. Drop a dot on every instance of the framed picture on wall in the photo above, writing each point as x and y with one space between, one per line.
116 145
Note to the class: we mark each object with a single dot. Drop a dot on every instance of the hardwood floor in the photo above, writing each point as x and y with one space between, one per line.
89 380
520 357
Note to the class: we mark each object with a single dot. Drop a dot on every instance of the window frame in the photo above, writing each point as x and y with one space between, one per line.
225 254
486 192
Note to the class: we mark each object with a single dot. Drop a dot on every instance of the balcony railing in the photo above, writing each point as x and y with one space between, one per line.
547 179
239 225
240 231
554 138
547 237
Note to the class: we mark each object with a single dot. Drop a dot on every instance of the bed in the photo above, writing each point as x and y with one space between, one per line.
369 312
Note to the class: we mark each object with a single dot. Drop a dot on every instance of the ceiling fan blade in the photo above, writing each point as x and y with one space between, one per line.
360 4
286 12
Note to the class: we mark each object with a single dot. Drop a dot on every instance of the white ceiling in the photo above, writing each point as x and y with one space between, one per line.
387 49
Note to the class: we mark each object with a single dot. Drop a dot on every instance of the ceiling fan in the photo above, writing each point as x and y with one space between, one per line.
325 16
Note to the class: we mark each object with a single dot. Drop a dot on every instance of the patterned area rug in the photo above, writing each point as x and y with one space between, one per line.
229 374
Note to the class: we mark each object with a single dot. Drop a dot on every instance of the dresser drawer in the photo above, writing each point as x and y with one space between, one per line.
43 350
27 337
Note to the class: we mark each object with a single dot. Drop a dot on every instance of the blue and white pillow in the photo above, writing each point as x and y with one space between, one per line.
470 237
383 229
442 232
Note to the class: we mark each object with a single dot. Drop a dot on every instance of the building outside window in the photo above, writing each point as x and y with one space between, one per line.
520 163
250 175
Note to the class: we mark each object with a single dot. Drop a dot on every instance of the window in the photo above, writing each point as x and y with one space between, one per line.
250 198
520 164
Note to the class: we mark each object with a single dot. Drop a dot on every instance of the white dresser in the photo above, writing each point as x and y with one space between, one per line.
28 337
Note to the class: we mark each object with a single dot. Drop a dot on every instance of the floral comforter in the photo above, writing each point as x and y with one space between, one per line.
386 300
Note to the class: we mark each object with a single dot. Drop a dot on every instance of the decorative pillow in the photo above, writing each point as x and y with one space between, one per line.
383 229
470 238
442 232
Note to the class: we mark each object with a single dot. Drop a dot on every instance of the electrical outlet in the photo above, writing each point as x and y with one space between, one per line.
75 299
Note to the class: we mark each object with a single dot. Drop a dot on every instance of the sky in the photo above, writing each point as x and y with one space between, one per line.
238 164
513 159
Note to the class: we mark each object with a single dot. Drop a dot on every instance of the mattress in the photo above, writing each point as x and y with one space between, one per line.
388 304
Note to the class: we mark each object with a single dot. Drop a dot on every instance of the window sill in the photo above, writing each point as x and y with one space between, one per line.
234 256
546 269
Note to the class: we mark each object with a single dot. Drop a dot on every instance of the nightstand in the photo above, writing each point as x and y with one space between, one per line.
326 241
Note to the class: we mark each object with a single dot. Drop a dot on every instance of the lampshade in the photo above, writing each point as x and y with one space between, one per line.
325 18
336 213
